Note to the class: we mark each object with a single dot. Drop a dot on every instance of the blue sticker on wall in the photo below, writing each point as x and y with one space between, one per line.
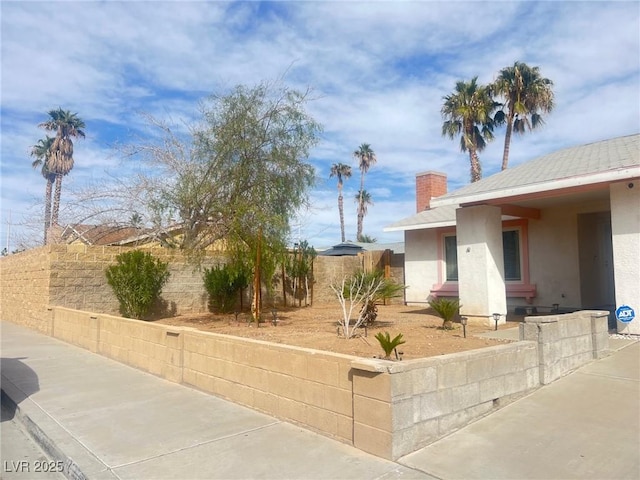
625 314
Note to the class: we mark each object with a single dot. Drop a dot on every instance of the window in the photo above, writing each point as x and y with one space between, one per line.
451 258
510 249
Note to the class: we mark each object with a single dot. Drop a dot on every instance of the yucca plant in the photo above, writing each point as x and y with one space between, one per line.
447 309
389 344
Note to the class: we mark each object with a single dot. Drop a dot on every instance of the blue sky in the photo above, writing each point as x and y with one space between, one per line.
379 71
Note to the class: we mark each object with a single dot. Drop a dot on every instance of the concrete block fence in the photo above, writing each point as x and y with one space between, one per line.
73 276
566 342
385 408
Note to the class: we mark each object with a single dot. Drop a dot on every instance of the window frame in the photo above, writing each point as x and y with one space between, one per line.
515 288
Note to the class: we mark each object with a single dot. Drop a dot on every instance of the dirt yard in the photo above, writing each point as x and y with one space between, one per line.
316 327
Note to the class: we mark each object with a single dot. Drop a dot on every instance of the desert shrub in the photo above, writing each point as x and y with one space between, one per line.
447 309
388 289
223 284
137 280
362 290
389 344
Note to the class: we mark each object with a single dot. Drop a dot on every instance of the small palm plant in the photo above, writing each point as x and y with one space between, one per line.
447 309
389 344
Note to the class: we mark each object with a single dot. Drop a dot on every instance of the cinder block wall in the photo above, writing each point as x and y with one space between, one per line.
78 279
309 387
305 386
403 407
385 408
565 342
25 280
73 276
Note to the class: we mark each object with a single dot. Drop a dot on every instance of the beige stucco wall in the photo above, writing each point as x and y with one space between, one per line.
554 253
554 262
421 264
480 263
625 229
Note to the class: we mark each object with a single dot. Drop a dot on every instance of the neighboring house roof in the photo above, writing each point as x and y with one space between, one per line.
353 248
342 249
576 167
98 234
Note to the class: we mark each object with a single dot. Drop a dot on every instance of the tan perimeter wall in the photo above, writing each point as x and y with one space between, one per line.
385 408
73 276
25 280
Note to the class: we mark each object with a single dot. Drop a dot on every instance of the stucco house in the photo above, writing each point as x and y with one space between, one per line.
557 233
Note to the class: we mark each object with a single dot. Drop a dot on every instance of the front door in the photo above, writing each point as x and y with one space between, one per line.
596 261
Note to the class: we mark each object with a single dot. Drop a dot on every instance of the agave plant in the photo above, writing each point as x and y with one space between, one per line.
447 309
389 344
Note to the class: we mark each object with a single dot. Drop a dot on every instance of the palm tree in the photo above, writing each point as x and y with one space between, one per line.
366 157
67 125
41 151
467 112
363 199
341 171
527 96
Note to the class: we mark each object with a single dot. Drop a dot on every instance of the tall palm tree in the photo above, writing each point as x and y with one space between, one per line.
527 96
366 157
363 199
467 112
342 171
41 151
67 125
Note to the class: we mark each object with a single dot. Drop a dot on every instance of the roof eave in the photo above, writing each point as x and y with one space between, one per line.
420 226
534 188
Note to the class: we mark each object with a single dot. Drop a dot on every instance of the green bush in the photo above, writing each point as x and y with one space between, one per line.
447 309
137 280
223 283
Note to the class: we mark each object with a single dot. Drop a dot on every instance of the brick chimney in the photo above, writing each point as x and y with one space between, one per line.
429 185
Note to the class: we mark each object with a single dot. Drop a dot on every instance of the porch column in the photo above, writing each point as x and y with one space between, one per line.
625 238
481 263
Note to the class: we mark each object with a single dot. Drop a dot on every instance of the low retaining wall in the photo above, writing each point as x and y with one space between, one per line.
385 408
400 407
565 342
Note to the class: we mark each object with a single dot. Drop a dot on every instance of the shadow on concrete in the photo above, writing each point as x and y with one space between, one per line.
28 384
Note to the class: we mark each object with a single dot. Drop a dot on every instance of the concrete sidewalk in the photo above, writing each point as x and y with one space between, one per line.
584 426
114 421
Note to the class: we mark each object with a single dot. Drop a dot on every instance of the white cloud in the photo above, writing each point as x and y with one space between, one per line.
380 70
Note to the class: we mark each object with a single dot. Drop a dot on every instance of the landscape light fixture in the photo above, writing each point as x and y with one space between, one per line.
463 321
496 318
